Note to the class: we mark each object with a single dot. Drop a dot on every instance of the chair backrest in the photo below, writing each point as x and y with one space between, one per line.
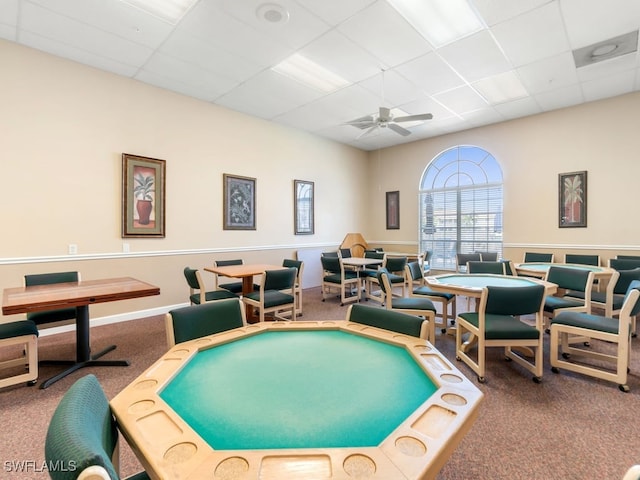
383 279
631 297
50 278
625 277
192 278
514 300
570 278
298 265
463 258
388 320
624 263
186 323
488 256
509 269
330 254
582 259
82 432
226 263
331 264
373 254
628 257
414 271
426 258
54 315
284 279
345 252
395 264
538 257
496 268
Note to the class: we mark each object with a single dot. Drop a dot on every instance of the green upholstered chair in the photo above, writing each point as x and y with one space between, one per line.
56 315
336 277
395 267
418 306
195 321
509 269
334 254
574 279
628 257
345 253
490 267
276 294
488 256
624 263
463 258
580 259
389 320
19 336
82 438
530 257
228 284
299 265
613 331
498 323
418 288
425 261
197 289
372 270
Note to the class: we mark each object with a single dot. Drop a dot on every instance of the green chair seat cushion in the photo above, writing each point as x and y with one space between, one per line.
413 303
432 293
18 328
502 327
236 287
336 277
368 273
587 321
553 303
50 316
599 297
272 298
213 296
393 278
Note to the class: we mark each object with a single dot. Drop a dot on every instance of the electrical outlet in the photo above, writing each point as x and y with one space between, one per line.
73 249
125 247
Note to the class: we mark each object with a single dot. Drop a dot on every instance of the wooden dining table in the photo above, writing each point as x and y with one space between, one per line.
79 295
245 272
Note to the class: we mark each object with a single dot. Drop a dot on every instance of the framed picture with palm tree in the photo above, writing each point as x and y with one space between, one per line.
572 199
143 196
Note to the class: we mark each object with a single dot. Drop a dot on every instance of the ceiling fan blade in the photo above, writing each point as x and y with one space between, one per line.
398 129
384 115
367 132
414 118
361 121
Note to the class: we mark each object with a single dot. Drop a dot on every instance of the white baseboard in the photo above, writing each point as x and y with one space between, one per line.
123 317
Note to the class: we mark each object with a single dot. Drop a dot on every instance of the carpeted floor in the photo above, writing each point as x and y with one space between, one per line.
567 427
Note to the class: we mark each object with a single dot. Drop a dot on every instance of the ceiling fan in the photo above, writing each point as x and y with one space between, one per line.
385 119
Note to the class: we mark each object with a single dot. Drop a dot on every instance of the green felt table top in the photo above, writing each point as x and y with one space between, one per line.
298 389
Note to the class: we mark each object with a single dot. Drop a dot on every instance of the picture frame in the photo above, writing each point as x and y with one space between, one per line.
239 200
572 199
393 210
143 196
303 207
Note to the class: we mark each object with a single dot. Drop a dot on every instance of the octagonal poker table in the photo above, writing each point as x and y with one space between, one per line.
287 400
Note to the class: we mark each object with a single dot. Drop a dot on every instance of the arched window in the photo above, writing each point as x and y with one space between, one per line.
460 205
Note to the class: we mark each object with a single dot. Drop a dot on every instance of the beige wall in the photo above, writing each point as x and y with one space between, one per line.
63 128
600 137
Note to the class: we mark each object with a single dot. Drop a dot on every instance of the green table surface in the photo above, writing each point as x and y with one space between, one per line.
298 389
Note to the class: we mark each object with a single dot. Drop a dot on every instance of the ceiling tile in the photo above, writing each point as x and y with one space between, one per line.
381 30
460 100
431 74
618 84
335 11
475 57
496 11
560 97
549 74
514 109
532 36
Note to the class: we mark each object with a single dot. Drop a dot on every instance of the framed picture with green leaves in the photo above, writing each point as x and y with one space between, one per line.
143 196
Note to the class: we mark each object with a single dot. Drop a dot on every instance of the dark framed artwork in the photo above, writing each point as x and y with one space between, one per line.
303 198
393 210
239 202
143 196
572 199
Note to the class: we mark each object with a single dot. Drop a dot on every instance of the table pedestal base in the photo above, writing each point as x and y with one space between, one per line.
76 365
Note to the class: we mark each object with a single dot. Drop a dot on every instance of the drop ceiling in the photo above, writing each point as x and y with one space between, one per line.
520 63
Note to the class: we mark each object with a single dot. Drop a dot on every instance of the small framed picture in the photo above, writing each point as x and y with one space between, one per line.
143 196
393 210
572 199
303 207
239 202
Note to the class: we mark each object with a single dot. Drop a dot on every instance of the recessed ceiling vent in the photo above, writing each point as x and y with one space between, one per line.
607 49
